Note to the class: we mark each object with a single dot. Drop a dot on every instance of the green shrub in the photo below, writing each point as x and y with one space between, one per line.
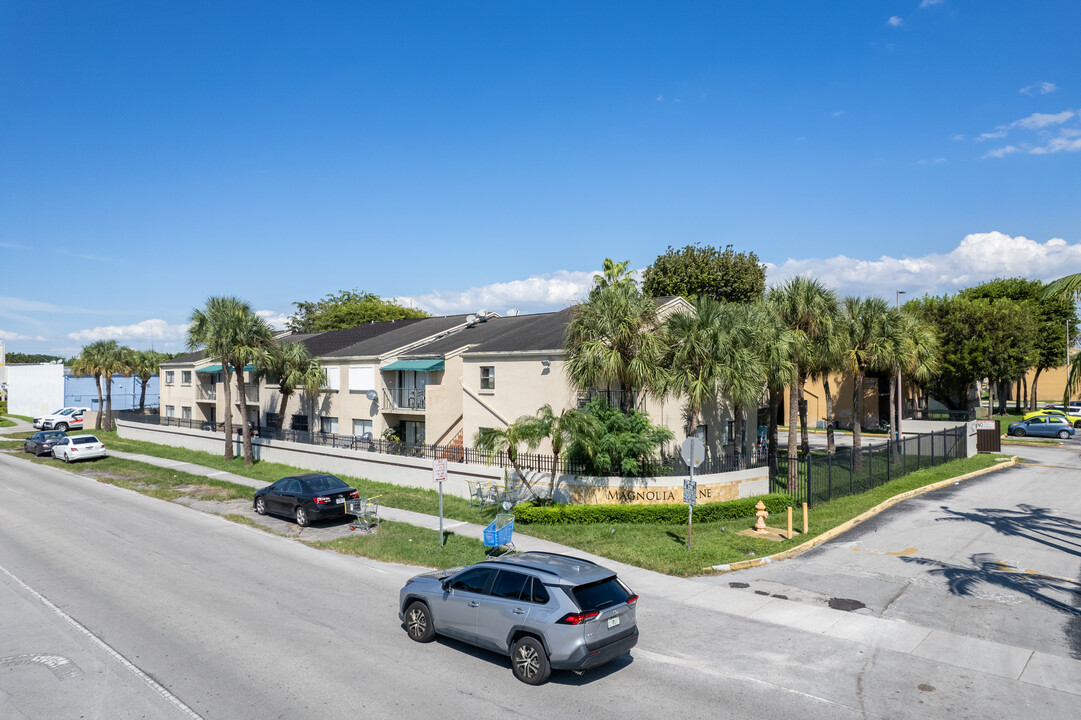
665 514
3 407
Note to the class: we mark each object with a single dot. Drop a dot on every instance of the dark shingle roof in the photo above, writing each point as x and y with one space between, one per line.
522 333
184 359
326 343
398 337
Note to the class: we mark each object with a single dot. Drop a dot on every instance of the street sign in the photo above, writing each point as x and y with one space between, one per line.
439 470
693 452
690 491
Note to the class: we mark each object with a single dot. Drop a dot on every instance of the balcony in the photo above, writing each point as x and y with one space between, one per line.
208 393
403 399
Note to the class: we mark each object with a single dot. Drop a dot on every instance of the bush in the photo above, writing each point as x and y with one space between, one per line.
528 513
3 407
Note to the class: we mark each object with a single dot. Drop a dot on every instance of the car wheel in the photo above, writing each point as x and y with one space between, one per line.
1019 432
302 517
418 622
67 458
260 506
1064 434
529 662
63 427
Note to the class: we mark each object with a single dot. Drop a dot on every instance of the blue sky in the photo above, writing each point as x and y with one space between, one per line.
492 154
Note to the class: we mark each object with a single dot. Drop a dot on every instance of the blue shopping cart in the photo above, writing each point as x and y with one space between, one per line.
499 533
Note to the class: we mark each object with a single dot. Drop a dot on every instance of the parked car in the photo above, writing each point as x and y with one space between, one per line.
1073 419
64 419
546 611
78 447
1042 426
41 443
312 496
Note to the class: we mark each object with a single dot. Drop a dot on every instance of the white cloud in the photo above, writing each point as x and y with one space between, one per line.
538 293
5 335
151 331
1040 88
895 21
1003 151
660 98
275 319
929 3
839 113
979 257
1040 120
1048 135
931 161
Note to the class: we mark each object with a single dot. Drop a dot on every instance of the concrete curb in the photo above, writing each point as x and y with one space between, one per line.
848 525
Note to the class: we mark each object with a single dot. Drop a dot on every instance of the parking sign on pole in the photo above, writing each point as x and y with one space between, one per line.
439 475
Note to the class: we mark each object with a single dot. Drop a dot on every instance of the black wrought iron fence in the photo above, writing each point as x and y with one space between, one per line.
822 476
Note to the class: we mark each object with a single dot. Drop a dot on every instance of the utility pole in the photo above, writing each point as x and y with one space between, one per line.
897 430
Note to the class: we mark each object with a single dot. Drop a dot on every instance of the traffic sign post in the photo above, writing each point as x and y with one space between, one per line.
693 452
439 476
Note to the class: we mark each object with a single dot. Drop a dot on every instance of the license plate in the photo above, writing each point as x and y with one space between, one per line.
612 622
339 501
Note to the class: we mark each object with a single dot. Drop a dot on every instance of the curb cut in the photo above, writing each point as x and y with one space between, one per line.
849 524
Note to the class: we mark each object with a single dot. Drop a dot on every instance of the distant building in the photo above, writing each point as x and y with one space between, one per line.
37 389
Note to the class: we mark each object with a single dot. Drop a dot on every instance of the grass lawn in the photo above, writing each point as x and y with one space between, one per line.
663 547
396 496
4 422
409 545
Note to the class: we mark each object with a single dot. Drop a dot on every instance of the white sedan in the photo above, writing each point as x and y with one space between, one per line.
78 447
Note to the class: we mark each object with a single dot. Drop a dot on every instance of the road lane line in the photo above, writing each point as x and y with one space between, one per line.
151 682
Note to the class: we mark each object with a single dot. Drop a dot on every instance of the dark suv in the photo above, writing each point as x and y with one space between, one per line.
546 611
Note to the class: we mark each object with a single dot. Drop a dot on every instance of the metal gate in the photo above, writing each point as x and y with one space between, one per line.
988 436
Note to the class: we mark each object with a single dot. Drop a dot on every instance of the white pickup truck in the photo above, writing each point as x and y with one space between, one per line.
68 418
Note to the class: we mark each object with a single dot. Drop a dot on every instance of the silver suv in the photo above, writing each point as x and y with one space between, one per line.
546 611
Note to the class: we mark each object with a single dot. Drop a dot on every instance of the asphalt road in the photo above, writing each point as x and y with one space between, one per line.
996 558
237 623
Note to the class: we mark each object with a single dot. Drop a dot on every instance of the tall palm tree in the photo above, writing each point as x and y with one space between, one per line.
215 327
144 365
562 429
775 343
284 365
918 357
527 429
825 359
1067 288
875 334
314 381
114 360
253 336
611 339
698 348
89 362
808 307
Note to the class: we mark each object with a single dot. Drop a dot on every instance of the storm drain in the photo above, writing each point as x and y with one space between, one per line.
845 604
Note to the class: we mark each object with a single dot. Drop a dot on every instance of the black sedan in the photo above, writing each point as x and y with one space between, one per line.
41 443
312 496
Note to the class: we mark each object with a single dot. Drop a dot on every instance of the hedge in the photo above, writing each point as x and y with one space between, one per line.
528 513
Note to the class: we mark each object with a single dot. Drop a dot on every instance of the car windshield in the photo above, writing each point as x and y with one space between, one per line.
600 594
53 435
84 439
324 483
58 411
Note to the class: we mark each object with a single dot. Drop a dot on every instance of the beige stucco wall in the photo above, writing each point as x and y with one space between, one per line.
444 403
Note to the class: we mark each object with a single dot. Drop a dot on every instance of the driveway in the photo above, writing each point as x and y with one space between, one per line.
996 558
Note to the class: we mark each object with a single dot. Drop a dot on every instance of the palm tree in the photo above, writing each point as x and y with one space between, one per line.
88 363
314 381
697 351
284 365
918 357
253 336
808 307
826 358
114 360
1067 288
562 429
611 339
774 343
876 339
527 429
144 365
215 327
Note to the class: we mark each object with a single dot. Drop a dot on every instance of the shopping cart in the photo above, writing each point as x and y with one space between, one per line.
366 511
499 532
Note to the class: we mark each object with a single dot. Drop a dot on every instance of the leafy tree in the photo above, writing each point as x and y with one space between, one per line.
964 333
623 443
1052 314
347 309
809 308
528 430
16 358
611 339
707 272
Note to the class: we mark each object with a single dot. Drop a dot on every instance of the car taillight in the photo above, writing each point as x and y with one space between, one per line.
632 599
355 495
75 449
577 618
321 500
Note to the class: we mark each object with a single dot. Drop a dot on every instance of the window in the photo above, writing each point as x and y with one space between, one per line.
509 585
169 376
272 420
361 378
361 426
170 411
185 377
472 580
328 424
300 422
538 595
334 377
487 378
185 413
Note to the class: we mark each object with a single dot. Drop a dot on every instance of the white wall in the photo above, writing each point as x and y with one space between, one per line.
35 390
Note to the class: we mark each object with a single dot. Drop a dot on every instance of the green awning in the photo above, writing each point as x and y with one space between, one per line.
417 365
217 369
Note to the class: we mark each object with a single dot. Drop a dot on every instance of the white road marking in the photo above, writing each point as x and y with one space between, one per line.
153 684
